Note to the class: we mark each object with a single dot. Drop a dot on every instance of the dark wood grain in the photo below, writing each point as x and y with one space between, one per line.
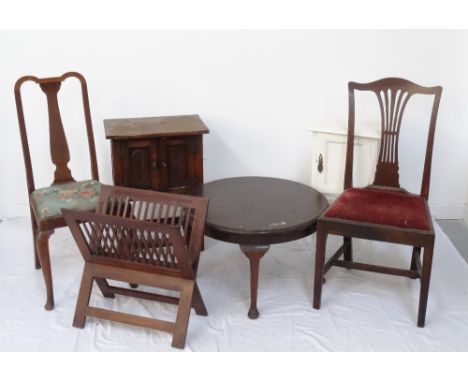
153 127
393 95
261 210
161 153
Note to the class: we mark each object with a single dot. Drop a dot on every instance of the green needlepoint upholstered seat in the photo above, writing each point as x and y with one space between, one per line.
48 201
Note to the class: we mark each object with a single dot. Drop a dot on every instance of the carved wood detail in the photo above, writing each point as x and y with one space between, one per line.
393 95
59 152
392 102
174 162
140 167
177 162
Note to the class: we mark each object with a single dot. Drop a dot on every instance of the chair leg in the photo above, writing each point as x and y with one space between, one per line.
197 302
319 263
183 314
37 263
348 251
42 247
83 298
416 253
425 280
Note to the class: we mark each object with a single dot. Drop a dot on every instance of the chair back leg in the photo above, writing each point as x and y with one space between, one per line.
416 254
37 263
348 249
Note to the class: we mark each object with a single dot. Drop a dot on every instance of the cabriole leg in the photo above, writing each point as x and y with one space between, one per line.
42 247
254 254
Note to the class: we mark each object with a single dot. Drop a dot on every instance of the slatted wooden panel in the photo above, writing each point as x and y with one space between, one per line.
162 212
129 244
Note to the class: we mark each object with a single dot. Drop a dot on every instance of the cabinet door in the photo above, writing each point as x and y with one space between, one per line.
329 157
180 164
137 164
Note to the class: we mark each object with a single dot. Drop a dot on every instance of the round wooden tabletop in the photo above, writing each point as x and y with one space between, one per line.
260 210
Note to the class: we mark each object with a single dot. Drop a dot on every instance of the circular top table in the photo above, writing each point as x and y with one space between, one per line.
255 212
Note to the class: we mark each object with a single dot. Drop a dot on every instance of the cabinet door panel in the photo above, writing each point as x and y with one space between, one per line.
139 164
330 151
178 170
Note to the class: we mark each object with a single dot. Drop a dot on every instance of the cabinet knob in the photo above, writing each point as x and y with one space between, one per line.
320 164
162 164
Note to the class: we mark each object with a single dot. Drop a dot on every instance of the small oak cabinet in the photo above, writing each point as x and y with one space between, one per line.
159 153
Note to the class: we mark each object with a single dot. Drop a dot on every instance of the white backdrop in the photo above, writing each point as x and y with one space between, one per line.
257 91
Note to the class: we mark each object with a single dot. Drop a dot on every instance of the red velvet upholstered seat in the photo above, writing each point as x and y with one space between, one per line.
380 207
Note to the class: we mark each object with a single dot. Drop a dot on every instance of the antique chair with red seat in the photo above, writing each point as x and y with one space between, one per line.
141 237
65 192
382 211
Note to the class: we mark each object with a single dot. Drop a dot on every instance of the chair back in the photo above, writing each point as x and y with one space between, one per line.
393 95
58 143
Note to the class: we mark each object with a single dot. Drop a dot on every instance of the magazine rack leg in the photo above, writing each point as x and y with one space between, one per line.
83 298
183 313
178 329
104 287
197 302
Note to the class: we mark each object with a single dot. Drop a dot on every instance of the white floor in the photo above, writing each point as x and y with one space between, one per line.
361 311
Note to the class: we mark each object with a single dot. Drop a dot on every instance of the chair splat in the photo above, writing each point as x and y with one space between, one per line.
59 152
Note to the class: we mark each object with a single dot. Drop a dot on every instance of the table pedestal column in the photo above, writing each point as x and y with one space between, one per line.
254 253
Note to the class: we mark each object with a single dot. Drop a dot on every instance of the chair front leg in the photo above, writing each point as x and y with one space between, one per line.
425 280
319 263
42 247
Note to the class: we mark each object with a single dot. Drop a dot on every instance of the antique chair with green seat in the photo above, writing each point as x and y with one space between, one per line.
46 203
383 211
141 237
